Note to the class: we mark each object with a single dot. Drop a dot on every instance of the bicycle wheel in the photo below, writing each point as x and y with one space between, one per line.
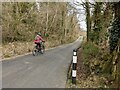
35 51
42 49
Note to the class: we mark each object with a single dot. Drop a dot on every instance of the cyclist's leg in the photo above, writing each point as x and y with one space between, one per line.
39 45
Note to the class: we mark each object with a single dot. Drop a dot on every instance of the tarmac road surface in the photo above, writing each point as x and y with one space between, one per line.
47 70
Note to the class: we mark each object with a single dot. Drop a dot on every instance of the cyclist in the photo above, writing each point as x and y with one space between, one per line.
38 40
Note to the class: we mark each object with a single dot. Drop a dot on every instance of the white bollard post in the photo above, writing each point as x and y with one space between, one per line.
74 67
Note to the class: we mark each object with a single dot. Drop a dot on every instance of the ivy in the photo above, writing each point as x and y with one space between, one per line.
114 34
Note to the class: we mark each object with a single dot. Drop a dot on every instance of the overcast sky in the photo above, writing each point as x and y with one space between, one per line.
81 15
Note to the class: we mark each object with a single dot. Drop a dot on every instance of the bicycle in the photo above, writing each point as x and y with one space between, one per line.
36 50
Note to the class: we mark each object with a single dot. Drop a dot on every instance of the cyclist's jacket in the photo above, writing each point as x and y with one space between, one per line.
38 39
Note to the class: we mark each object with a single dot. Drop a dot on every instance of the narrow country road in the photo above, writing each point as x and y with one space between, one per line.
43 71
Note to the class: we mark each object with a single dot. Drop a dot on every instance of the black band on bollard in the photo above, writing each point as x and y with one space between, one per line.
74 66
73 80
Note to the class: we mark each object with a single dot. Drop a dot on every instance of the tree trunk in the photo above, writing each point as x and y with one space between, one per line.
117 9
47 18
88 21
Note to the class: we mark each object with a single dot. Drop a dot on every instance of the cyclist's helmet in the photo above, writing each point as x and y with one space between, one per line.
39 34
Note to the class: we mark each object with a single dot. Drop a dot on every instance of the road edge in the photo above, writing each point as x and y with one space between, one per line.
31 52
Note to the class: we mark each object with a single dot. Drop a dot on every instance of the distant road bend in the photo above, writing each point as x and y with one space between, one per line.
43 71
